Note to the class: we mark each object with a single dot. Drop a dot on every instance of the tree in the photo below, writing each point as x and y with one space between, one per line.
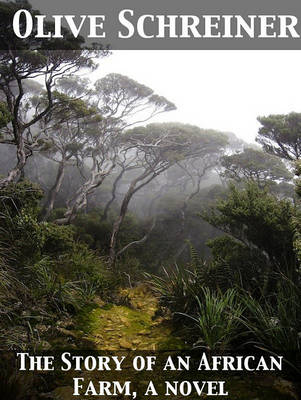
261 225
121 102
9 41
254 165
297 217
14 71
124 165
22 60
157 147
66 130
195 170
281 135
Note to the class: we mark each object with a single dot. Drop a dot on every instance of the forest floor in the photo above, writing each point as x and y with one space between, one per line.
136 324
133 325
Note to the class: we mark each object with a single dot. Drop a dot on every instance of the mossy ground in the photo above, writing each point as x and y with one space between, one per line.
134 325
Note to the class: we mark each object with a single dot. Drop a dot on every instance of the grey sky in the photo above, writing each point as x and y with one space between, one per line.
223 90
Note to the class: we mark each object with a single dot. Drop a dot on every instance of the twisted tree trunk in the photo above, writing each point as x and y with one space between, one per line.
54 190
21 162
80 199
146 177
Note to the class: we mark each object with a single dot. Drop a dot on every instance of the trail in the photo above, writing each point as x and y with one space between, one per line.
136 325
132 326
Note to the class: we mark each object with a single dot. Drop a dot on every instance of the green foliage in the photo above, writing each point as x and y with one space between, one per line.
24 195
258 220
244 295
57 239
96 232
130 270
297 236
275 325
179 141
67 107
92 230
218 319
258 257
9 288
235 264
297 218
5 116
298 173
177 288
280 135
45 274
85 265
59 294
31 238
113 84
255 165
10 41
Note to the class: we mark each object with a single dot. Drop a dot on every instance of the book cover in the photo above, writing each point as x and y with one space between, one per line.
150 199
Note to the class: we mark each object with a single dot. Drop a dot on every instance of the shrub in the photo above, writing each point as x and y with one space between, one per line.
274 324
60 295
177 288
236 265
44 271
22 195
218 319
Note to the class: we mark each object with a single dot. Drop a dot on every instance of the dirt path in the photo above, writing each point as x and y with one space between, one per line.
133 326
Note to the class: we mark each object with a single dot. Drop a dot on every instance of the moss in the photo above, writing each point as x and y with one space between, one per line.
114 327
86 318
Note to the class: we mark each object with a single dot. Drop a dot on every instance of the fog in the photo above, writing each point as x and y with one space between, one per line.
222 90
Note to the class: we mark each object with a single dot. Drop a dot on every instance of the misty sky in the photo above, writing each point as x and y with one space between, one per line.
223 90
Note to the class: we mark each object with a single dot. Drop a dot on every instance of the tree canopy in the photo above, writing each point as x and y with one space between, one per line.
255 165
280 134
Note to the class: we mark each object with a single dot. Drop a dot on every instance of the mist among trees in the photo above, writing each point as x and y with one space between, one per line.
97 197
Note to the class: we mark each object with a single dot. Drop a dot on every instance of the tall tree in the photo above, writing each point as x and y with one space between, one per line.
297 217
121 102
195 171
66 130
255 165
259 241
25 59
157 147
280 135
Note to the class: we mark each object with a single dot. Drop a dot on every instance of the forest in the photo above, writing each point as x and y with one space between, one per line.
117 232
